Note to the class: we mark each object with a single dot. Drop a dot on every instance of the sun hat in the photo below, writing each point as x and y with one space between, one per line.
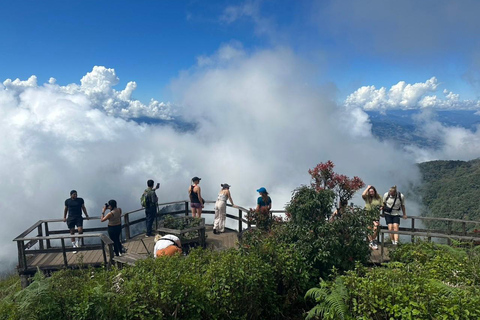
262 190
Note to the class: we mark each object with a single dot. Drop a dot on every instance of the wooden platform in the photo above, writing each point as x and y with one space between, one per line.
135 250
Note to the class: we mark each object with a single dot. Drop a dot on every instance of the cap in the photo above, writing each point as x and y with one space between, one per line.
262 190
196 179
73 191
225 185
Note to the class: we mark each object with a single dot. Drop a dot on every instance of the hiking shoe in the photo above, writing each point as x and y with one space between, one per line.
373 245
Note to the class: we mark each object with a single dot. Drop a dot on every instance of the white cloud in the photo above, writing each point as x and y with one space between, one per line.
259 123
407 96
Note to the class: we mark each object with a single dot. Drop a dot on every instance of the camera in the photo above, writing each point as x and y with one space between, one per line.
106 205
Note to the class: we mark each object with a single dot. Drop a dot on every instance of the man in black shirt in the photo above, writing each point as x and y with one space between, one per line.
74 207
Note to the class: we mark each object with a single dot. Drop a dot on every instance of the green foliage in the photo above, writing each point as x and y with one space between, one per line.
309 206
425 281
203 285
450 190
332 301
181 223
322 245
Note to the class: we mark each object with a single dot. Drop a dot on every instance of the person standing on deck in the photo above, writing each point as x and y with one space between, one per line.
393 207
150 205
196 200
114 228
74 207
221 208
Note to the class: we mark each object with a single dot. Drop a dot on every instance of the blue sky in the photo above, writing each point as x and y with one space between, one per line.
347 43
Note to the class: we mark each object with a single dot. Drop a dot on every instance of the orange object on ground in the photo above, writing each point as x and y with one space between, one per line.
169 251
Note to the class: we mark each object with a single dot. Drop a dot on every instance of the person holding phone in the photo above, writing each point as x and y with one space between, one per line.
114 228
151 205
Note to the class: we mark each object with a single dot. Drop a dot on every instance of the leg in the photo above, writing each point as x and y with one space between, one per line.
199 212
390 228
72 232
223 216
194 212
395 228
80 231
150 216
111 235
216 221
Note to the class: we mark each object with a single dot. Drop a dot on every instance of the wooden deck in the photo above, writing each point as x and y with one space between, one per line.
134 246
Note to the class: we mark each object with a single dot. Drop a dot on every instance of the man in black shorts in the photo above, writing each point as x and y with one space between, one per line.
74 207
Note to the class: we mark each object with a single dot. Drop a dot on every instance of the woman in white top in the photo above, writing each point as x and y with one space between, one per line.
167 245
221 208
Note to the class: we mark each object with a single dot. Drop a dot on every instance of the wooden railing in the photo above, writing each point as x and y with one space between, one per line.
449 230
43 234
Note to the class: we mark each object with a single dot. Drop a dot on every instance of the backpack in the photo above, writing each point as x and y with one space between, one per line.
146 199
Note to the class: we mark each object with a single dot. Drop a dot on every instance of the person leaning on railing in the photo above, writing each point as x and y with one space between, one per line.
114 218
221 208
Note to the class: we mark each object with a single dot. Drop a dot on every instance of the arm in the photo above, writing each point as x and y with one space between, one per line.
200 195
107 216
65 214
230 198
365 192
84 211
270 204
404 212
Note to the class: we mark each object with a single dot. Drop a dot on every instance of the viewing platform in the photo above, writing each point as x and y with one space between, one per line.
46 245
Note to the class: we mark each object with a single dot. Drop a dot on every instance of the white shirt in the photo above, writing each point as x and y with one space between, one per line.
164 243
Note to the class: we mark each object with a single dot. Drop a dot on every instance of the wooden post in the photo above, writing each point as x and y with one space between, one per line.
381 249
47 233
240 222
111 253
449 231
464 225
65 261
40 234
22 259
104 254
413 230
186 208
126 225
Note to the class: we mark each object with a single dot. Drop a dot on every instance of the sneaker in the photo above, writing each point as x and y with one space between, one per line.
394 242
119 254
146 236
215 231
74 245
373 246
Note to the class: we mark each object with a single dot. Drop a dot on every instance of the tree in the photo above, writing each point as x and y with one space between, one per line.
323 177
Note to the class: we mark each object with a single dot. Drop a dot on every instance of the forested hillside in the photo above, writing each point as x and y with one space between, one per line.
451 189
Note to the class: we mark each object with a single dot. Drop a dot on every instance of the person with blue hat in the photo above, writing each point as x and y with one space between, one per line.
264 203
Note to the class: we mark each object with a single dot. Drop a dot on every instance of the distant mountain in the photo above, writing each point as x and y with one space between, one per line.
399 125
451 189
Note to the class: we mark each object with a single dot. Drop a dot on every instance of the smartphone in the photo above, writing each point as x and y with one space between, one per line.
158 185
